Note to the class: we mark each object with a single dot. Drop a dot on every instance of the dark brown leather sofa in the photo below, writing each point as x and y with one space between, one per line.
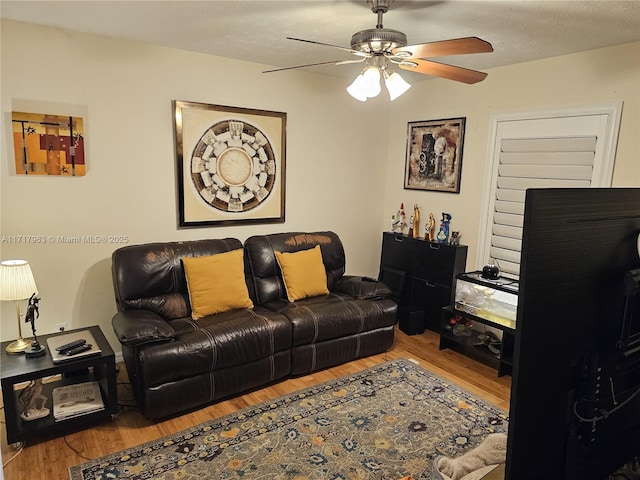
176 364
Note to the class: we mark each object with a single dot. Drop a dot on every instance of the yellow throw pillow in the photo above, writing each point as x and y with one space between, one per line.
216 283
303 273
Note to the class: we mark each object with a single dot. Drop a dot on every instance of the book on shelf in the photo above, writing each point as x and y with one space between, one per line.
77 399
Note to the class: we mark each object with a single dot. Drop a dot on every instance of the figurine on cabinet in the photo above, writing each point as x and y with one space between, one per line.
410 226
443 233
399 221
416 221
33 312
455 238
430 229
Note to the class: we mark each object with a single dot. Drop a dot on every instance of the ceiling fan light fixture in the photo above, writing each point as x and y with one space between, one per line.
357 90
396 85
371 84
366 85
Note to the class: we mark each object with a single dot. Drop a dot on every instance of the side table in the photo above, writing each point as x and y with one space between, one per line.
17 369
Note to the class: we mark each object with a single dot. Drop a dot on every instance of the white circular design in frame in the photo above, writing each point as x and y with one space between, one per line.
233 166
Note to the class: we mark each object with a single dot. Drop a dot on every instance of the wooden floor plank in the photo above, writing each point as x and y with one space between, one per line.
50 459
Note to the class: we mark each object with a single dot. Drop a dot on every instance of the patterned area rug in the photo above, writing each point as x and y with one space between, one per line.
382 423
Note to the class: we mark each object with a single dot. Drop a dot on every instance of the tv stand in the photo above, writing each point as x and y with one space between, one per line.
490 304
473 345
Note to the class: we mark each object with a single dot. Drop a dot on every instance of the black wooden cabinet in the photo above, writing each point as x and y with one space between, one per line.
422 276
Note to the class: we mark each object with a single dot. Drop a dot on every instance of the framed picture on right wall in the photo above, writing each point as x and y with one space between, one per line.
434 155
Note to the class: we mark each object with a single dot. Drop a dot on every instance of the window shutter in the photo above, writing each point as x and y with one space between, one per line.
566 147
562 162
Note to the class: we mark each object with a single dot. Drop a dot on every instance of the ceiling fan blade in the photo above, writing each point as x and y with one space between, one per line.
350 50
429 67
333 62
458 46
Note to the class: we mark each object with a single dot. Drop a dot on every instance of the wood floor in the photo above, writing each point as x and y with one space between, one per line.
50 459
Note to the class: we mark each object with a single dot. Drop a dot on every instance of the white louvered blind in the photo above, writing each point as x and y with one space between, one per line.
560 162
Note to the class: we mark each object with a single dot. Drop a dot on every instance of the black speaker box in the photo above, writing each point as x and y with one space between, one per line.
411 320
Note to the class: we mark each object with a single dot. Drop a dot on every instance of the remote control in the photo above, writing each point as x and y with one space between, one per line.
79 349
70 345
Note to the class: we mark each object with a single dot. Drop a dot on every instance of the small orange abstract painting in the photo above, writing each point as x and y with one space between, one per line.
48 144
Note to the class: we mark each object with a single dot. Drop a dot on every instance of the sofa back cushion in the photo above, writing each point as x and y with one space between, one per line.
267 283
151 276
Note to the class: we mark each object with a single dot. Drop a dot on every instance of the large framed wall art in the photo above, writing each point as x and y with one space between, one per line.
434 155
230 164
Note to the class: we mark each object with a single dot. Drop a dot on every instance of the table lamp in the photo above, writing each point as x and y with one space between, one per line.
17 283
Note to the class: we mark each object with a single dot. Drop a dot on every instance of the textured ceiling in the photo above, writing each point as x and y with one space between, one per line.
256 30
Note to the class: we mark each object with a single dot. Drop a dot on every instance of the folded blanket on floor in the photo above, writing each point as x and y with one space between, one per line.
476 463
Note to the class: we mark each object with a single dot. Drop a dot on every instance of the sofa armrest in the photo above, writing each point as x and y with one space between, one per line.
362 287
136 327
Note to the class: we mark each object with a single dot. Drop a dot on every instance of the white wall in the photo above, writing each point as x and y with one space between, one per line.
334 171
589 78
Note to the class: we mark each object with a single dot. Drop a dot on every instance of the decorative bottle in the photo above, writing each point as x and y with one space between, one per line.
430 229
443 233
416 221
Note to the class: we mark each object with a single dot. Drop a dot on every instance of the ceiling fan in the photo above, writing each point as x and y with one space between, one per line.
381 48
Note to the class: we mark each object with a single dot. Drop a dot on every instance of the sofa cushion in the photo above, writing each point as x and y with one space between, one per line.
303 273
216 283
338 317
224 340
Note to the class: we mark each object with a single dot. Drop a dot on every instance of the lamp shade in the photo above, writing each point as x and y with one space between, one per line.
356 89
371 77
366 85
396 85
16 280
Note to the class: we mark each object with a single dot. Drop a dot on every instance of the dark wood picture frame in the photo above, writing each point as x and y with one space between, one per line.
434 155
230 165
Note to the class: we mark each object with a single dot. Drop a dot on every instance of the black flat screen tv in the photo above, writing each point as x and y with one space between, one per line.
575 396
